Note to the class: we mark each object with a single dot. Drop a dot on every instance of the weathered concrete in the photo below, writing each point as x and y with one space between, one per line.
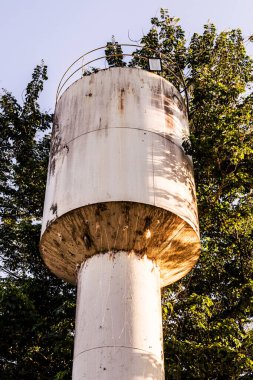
118 176
118 319
120 211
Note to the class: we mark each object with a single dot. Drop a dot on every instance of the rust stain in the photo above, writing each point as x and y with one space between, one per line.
53 208
87 240
172 243
122 93
66 147
178 102
55 145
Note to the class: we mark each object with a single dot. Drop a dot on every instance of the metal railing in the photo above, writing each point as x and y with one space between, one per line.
72 70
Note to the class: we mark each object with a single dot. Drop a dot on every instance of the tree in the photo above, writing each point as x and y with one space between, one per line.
114 54
207 315
37 310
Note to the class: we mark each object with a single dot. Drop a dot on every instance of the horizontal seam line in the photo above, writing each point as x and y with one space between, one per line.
137 129
96 348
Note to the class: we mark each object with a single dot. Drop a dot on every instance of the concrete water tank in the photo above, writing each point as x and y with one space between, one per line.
120 215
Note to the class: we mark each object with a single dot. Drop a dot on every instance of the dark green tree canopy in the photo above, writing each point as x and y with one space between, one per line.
114 54
37 310
208 315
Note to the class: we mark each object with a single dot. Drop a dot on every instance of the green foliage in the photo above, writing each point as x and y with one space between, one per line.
114 54
165 37
208 315
36 314
37 329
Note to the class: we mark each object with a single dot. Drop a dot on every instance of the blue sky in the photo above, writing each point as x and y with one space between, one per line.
59 31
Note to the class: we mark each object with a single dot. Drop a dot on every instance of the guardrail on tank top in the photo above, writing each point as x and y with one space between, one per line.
137 58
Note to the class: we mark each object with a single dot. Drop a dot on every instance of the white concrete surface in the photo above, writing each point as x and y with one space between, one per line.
118 137
117 157
122 98
118 319
122 165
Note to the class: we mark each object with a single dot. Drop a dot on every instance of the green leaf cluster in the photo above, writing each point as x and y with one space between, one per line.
114 54
36 309
208 315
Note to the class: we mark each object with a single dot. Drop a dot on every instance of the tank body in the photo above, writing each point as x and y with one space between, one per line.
118 178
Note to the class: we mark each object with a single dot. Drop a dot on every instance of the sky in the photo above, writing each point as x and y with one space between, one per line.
59 31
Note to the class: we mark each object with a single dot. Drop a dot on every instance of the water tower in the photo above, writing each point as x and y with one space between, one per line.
120 216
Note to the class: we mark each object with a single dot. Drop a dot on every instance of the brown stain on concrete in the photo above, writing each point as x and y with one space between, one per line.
122 94
120 226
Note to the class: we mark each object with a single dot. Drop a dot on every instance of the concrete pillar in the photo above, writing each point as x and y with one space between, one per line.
118 319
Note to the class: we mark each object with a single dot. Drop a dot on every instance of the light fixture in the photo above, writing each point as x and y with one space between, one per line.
155 64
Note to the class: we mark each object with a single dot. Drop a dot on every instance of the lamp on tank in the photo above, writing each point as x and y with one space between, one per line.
155 64
120 215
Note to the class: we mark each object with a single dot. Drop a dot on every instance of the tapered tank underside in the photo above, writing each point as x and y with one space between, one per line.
120 226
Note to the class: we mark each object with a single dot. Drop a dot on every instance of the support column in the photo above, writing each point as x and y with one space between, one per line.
118 319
